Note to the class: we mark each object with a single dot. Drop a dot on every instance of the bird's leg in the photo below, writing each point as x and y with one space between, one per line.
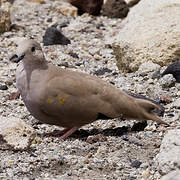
68 132
57 132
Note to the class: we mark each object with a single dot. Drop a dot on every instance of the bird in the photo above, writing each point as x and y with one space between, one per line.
71 99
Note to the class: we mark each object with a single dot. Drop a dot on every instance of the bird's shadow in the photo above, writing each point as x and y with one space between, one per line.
119 131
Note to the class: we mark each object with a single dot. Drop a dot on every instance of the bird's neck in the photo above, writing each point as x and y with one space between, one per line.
36 65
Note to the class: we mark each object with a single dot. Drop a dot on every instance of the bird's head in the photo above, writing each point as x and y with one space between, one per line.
28 50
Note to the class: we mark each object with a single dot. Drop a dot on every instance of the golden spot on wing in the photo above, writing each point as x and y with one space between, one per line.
61 99
49 100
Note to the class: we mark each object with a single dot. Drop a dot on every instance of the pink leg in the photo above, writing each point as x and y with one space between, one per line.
69 132
56 133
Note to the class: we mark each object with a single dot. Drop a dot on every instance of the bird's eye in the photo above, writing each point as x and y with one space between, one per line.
32 49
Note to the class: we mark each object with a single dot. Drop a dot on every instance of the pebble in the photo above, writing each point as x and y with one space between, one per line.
167 81
136 164
54 36
173 69
3 87
146 174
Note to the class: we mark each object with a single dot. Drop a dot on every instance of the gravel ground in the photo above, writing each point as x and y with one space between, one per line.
106 149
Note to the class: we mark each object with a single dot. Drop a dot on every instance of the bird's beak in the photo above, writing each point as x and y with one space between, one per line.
15 58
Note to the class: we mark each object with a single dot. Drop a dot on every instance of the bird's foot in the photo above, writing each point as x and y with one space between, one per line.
68 132
57 132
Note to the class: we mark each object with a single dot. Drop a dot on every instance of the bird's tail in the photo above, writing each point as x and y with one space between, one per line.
145 109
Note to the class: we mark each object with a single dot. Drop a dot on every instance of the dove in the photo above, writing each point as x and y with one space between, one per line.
71 99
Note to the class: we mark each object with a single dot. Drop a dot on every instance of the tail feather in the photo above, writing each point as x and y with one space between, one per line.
146 110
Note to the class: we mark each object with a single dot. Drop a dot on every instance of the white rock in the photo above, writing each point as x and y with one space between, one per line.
168 158
150 33
174 175
66 9
16 132
148 66
176 103
167 81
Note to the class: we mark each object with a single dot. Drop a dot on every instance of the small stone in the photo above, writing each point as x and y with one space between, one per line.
96 138
9 82
167 81
102 71
3 87
139 126
136 164
67 9
86 161
74 55
178 87
176 103
173 69
97 57
115 9
54 36
147 67
89 6
156 74
146 174
16 133
37 141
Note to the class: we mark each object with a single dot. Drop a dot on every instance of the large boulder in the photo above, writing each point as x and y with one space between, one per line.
168 158
150 32
174 175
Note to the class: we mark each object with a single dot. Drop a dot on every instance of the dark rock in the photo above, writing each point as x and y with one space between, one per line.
49 20
136 164
156 75
16 27
125 138
78 63
173 69
132 3
92 7
113 83
119 131
102 71
170 115
140 126
74 55
63 24
115 9
54 36
115 73
3 87
99 26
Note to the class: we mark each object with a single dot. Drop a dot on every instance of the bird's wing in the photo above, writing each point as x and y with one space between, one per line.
77 95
